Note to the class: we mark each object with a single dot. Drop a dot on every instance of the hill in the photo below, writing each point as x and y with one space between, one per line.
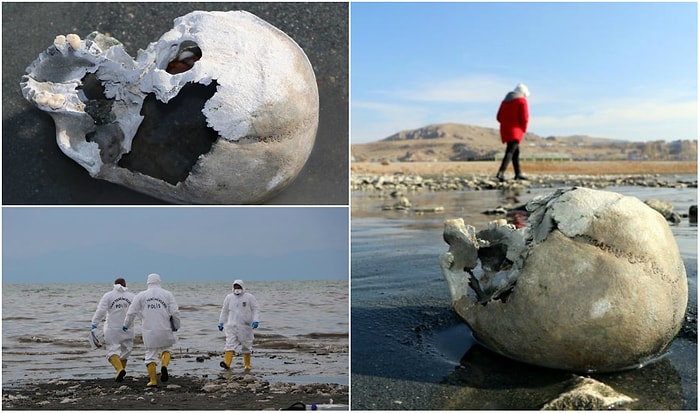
460 142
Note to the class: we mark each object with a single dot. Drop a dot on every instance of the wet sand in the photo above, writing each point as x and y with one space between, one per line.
226 391
411 352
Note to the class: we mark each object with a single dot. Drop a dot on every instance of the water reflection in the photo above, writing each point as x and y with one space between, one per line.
486 380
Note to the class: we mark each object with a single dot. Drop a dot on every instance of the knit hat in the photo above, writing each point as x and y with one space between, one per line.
521 88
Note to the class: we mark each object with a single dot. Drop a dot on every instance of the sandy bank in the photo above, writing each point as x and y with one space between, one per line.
563 168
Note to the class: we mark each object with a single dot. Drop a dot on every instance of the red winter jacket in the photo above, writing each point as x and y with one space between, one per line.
513 116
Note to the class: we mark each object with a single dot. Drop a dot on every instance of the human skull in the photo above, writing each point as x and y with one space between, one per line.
254 91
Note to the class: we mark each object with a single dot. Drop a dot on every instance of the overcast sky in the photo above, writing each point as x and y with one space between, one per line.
615 70
72 244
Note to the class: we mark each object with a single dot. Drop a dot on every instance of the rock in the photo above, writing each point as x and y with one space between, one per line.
211 388
589 394
429 209
693 214
402 203
594 283
665 209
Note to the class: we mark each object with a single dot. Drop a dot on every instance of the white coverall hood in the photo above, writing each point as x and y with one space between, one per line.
239 282
120 288
153 279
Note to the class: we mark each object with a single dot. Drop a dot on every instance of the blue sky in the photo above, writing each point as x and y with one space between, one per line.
182 244
614 70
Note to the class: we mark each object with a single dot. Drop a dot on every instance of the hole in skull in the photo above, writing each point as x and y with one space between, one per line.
185 58
172 136
109 138
107 134
493 258
92 93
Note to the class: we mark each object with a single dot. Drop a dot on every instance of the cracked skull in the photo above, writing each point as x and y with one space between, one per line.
595 282
222 109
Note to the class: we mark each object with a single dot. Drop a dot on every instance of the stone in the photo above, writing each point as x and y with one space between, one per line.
666 209
211 388
243 103
693 214
595 282
589 394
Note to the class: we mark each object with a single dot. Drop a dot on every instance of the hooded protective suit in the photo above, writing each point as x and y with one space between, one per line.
114 305
238 314
514 115
159 312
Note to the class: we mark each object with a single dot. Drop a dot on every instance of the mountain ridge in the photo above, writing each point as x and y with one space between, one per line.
463 142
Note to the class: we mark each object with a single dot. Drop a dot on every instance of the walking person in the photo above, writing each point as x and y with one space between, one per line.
112 308
513 115
161 318
239 316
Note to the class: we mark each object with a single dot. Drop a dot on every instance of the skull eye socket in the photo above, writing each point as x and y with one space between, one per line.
185 58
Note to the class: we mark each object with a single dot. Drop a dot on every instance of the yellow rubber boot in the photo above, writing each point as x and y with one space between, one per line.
117 363
246 361
124 363
152 374
228 357
164 361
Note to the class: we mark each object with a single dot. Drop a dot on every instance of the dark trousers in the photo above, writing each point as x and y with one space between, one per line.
512 154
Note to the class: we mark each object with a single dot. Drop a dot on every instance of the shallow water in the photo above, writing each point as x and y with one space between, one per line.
302 338
410 350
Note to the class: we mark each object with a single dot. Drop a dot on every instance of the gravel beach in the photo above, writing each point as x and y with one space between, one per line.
225 392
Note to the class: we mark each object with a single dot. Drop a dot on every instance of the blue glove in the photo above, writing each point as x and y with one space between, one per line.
221 326
124 328
93 327
255 324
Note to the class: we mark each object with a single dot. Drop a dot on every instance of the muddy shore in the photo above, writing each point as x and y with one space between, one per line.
225 391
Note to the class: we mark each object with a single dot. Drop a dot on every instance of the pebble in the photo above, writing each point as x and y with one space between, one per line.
211 387
399 184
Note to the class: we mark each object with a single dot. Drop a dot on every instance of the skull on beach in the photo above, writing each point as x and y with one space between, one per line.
253 87
595 282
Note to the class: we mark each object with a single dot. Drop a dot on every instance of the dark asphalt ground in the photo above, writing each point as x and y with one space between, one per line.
36 172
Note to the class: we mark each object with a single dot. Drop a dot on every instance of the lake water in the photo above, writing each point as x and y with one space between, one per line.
302 338
410 350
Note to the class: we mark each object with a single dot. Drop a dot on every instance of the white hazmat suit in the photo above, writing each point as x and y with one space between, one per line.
161 318
113 307
239 315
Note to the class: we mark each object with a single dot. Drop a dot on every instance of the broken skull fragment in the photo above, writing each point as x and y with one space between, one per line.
595 282
252 88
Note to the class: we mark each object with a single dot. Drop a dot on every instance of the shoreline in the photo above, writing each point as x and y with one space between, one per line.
529 168
227 390
399 178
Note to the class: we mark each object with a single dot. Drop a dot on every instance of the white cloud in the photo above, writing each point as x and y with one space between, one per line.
466 89
556 109
630 119
373 121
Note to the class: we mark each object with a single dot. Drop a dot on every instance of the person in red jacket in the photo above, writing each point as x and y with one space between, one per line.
513 115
